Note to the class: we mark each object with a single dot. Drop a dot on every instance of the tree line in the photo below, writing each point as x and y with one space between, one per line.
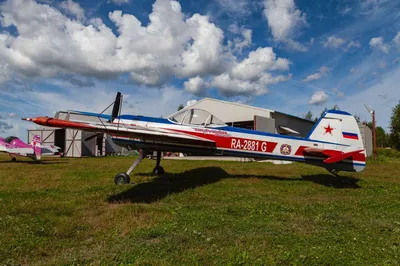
383 139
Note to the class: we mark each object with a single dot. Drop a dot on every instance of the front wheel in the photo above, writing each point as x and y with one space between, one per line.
122 179
158 170
13 159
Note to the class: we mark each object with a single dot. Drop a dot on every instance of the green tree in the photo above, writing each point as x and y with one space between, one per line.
381 137
395 127
180 107
309 116
323 111
335 107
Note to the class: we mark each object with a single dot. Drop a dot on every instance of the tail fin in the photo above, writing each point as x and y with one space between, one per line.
37 146
337 127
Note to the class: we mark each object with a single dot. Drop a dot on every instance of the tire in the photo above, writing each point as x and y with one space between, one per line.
122 179
13 159
158 170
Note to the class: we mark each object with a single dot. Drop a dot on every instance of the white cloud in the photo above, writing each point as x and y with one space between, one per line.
338 93
321 72
236 7
49 44
353 44
285 21
379 44
73 8
238 44
319 97
230 86
354 70
345 10
196 86
251 76
396 40
257 63
119 2
334 42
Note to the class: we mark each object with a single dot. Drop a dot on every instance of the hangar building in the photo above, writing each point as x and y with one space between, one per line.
77 143
246 116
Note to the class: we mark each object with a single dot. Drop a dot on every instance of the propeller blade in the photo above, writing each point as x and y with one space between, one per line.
117 106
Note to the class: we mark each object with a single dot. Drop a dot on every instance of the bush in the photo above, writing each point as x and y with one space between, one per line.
391 153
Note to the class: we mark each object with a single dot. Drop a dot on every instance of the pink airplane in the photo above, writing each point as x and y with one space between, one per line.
16 147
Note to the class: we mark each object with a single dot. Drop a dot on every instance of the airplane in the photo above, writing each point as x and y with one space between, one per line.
16 147
334 143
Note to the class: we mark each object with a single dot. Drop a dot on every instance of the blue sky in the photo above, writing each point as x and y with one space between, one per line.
286 55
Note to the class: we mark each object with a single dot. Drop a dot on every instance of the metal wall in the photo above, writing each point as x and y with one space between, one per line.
366 134
300 125
73 143
264 124
47 136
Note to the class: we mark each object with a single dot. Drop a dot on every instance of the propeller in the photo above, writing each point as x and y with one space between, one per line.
117 106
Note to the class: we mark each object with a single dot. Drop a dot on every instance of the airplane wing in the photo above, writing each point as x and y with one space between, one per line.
334 156
16 150
145 133
50 149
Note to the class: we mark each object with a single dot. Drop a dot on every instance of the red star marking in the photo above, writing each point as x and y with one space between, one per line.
328 129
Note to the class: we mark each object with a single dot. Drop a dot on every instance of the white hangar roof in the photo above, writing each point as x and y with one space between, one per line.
229 111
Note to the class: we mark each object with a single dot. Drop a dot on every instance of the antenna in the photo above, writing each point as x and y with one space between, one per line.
372 112
369 109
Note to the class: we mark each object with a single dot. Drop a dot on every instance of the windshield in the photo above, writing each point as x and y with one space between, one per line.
9 139
196 117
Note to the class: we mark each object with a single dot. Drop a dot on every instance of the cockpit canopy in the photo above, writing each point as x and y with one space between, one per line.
196 117
9 139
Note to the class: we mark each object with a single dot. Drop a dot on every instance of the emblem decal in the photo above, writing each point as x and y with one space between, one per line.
286 149
328 129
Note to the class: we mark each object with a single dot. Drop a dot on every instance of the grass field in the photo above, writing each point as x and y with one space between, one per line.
68 211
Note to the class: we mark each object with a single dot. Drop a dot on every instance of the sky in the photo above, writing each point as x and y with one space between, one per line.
286 55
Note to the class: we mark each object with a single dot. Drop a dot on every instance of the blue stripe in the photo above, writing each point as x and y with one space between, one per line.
146 119
338 112
94 114
349 134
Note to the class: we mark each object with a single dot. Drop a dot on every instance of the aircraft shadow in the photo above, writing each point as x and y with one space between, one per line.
33 162
160 187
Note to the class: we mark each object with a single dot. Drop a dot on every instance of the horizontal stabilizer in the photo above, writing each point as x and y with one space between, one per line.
341 156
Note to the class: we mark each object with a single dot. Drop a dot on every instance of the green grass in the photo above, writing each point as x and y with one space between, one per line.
69 212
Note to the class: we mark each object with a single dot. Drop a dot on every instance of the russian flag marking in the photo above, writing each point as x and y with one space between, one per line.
348 135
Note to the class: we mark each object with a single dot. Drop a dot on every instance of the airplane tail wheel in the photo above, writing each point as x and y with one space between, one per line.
158 170
13 159
122 179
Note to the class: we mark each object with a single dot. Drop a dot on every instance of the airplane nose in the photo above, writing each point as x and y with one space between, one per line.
38 120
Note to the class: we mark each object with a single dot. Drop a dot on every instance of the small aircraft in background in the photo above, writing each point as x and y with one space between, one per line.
16 147
334 143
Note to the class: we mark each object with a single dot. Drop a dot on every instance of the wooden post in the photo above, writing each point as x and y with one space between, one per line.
374 133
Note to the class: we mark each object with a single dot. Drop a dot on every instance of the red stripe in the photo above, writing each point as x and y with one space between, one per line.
350 137
325 153
225 141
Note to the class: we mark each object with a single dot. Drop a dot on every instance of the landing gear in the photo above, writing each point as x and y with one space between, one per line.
123 178
334 172
13 159
158 170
